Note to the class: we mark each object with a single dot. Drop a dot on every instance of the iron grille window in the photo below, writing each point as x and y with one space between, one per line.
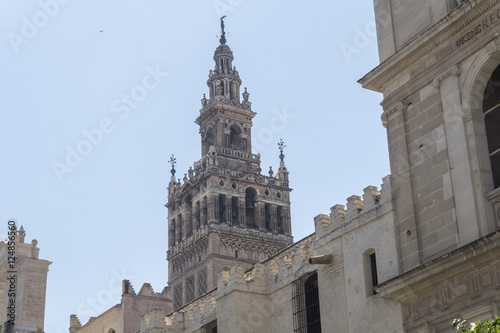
190 289
202 282
178 296
305 302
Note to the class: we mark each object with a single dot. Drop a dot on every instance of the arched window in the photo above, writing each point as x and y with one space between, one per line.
234 210
491 109
267 217
305 301
208 140
250 207
111 330
180 223
188 215
222 208
235 141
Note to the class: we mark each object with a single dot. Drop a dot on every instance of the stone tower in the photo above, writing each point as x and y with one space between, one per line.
23 283
224 211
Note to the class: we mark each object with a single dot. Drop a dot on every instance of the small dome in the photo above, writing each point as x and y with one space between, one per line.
223 49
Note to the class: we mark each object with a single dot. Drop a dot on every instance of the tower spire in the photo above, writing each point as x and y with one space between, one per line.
222 39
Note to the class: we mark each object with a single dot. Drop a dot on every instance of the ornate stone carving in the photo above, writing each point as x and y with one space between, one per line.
400 106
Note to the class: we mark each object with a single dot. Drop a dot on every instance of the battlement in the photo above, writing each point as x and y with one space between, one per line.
145 291
373 204
128 311
201 308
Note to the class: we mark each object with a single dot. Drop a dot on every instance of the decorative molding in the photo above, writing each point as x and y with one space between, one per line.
400 106
240 243
445 295
492 46
454 70
431 48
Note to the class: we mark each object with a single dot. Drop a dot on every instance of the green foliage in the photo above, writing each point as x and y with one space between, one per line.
490 326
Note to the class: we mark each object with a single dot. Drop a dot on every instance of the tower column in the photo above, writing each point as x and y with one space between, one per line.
181 228
242 217
212 207
229 210
203 212
274 218
188 220
171 232
178 227
286 221
260 218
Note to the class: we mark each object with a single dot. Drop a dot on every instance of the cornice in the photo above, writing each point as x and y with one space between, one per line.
247 115
429 42
454 70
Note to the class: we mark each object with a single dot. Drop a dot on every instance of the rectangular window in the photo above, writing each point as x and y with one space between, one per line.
373 266
305 303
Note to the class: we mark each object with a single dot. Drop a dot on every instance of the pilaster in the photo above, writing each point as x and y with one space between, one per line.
458 155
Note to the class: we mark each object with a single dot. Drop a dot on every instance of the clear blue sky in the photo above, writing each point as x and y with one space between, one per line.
66 71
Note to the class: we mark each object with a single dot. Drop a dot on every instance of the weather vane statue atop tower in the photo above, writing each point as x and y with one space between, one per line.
223 36
281 146
173 161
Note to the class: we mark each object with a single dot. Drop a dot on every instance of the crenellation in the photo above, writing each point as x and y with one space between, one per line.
127 288
321 223
155 322
354 206
371 197
288 261
275 268
337 214
386 189
146 290
74 323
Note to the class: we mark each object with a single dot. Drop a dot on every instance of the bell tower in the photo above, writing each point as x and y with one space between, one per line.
224 210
